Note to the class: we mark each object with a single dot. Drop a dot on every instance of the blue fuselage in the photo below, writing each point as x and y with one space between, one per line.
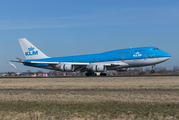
116 55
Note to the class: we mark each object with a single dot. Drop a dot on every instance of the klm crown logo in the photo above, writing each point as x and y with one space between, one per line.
31 52
31 48
137 54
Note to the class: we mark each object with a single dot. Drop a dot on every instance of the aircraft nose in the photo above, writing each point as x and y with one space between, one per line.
167 55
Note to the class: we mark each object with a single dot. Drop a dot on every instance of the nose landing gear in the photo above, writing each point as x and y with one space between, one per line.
153 71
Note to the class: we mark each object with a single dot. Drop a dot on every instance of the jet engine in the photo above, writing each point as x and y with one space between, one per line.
98 68
67 68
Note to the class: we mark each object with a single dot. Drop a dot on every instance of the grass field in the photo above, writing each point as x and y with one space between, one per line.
92 83
90 105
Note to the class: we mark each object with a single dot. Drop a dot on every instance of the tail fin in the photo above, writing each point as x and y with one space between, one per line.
30 51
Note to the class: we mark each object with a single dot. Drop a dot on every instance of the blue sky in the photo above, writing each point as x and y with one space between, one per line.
73 27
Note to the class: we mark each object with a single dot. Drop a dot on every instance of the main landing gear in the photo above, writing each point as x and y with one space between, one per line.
103 74
153 71
90 73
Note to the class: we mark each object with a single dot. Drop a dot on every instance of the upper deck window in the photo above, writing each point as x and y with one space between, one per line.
124 52
156 49
139 50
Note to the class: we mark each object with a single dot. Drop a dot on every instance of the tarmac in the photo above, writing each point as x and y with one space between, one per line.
91 76
87 91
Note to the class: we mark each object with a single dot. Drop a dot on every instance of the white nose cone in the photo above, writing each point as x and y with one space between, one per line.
163 59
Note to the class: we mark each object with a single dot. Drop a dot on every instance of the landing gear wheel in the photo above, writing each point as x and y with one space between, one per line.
94 74
103 74
87 74
152 71
90 74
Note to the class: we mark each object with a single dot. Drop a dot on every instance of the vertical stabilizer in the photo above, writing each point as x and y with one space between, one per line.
30 51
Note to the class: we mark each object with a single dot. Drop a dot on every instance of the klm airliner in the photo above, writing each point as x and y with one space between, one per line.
119 60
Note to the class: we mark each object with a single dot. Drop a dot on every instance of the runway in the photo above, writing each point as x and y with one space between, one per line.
92 76
92 91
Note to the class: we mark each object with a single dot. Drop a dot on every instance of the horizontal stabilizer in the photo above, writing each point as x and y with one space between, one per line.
19 59
16 61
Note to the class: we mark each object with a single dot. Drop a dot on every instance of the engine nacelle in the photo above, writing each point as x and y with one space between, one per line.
67 67
98 68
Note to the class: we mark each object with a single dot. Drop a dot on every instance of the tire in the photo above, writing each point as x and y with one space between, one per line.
103 74
87 74
152 71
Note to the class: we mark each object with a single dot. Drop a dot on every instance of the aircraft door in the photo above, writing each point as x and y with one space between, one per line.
132 51
123 58
95 60
145 56
153 56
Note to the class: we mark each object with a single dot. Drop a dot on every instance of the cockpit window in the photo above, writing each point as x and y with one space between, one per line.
156 49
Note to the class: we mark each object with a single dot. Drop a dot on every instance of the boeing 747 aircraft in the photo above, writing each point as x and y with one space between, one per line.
119 60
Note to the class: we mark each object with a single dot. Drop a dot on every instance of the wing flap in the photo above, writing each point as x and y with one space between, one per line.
119 64
52 63
60 63
111 64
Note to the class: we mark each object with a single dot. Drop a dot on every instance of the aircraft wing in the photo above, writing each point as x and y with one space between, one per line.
73 63
111 64
50 63
79 66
